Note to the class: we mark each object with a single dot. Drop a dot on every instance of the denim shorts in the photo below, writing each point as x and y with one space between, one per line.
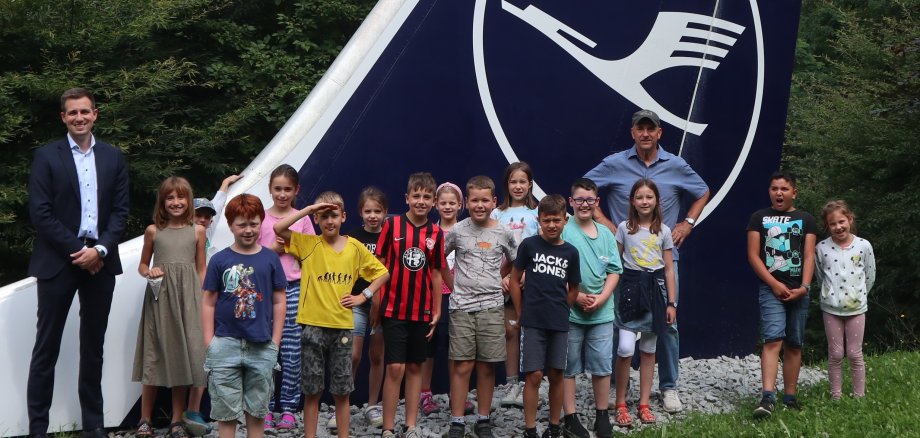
362 315
590 349
780 320
240 377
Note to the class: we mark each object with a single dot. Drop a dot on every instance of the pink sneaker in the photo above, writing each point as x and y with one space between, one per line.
287 422
269 422
428 404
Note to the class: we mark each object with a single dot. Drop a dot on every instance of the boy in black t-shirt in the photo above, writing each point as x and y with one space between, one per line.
781 250
553 275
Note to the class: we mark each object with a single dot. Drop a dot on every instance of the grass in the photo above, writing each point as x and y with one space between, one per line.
891 408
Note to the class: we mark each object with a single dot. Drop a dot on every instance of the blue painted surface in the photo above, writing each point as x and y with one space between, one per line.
419 109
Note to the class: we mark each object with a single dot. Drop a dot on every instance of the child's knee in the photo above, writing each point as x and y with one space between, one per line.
534 378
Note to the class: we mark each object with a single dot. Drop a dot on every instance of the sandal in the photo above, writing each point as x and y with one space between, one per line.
622 418
287 422
144 429
645 415
177 430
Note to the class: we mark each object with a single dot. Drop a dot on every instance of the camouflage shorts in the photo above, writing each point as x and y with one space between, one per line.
326 352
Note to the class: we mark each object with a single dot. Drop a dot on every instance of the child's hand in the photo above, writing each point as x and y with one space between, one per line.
781 291
584 300
434 325
506 284
375 315
155 272
596 303
321 206
349 301
672 315
795 294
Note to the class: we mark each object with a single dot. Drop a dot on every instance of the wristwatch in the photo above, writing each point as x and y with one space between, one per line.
672 304
367 293
691 221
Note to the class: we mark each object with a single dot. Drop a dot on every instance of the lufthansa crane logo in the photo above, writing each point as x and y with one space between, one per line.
658 52
677 43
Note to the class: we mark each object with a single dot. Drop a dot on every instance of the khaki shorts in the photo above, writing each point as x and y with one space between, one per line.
477 335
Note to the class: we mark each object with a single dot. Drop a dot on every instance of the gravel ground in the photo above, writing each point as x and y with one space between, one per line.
706 385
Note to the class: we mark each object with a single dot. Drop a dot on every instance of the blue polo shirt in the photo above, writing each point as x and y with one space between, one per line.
675 179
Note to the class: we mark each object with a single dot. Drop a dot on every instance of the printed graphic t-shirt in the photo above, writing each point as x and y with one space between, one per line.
644 251
329 275
410 253
244 284
479 252
522 221
370 242
598 257
782 242
549 270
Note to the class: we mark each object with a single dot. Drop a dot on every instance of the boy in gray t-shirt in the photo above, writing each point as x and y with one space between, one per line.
477 326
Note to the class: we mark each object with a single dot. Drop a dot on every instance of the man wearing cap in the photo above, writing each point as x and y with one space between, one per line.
78 203
676 182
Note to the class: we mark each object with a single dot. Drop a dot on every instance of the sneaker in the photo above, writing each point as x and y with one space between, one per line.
765 409
269 422
792 404
530 433
468 407
572 427
411 432
514 396
550 433
456 430
331 424
387 434
428 405
195 423
374 415
645 415
672 404
602 427
483 429
622 417
288 421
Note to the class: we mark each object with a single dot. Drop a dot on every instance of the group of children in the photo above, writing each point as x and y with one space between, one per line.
522 283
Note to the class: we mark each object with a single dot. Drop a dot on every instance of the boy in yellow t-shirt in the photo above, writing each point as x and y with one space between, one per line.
330 264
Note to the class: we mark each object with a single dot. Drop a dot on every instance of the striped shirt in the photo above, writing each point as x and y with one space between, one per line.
409 253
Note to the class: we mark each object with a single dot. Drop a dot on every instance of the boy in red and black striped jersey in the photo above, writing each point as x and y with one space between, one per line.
412 249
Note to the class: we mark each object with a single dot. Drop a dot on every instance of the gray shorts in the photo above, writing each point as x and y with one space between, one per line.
239 377
477 335
541 348
326 350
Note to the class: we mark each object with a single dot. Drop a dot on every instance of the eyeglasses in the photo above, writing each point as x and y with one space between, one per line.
582 201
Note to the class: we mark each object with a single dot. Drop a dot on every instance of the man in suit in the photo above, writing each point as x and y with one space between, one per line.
78 203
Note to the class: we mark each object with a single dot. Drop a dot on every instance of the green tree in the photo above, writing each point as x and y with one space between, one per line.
188 87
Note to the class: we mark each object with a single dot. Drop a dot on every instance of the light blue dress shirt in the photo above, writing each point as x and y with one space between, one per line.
89 195
674 177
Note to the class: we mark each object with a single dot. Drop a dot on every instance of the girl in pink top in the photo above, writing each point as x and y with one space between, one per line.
283 186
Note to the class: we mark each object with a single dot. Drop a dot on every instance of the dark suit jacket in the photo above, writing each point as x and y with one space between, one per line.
54 206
